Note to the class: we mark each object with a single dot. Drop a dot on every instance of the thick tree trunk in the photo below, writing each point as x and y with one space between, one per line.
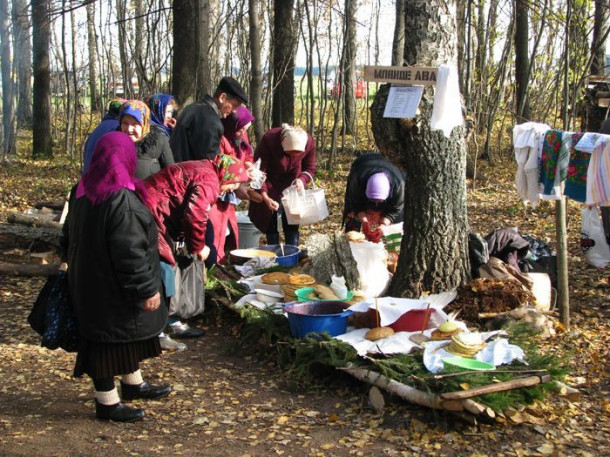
434 250
184 66
256 81
42 142
600 30
522 60
8 98
94 93
204 69
121 7
23 62
398 44
284 42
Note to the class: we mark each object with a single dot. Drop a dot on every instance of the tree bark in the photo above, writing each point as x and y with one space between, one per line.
284 49
522 59
42 142
23 62
398 44
123 40
434 249
349 67
184 66
204 69
600 26
256 80
8 98
94 93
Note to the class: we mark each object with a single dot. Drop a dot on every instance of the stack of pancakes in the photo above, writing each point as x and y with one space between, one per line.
465 344
296 282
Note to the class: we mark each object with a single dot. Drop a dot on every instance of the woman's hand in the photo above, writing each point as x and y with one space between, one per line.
205 252
299 184
152 303
271 204
385 221
361 216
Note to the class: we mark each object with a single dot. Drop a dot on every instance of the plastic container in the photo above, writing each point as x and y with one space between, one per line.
287 255
249 235
303 292
467 364
411 321
317 317
338 286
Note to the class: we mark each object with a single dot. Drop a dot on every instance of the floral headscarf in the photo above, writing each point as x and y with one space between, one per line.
138 110
157 104
113 167
230 169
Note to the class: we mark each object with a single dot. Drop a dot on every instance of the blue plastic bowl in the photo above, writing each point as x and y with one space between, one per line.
317 317
290 256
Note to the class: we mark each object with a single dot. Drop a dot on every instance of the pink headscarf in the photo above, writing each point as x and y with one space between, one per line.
113 167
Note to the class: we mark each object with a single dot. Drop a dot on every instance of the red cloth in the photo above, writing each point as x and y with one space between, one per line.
222 216
281 170
180 198
371 229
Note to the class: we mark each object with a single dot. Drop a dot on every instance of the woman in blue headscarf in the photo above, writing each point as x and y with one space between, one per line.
162 110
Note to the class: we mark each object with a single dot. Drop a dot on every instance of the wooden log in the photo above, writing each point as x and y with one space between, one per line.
602 94
33 220
27 269
497 387
568 392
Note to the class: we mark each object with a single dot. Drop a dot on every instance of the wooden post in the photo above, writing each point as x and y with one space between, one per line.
563 293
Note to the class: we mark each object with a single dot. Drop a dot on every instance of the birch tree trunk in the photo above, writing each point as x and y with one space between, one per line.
434 249
42 142
94 93
8 97
22 60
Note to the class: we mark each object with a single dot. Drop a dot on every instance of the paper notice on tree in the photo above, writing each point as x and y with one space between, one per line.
403 102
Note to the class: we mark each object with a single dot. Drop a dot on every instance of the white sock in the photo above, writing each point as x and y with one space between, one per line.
133 379
108 398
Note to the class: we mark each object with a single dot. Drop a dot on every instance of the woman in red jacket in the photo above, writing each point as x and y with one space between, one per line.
288 155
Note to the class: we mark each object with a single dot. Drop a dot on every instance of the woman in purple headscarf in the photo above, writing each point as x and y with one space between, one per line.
236 132
109 241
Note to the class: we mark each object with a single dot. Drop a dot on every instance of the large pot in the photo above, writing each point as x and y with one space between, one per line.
318 317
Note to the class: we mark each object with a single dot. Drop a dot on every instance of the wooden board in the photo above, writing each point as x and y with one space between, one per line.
418 76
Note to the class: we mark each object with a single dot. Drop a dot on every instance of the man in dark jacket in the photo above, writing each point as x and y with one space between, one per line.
198 129
374 184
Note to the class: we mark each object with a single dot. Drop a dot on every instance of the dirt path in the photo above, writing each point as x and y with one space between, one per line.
229 404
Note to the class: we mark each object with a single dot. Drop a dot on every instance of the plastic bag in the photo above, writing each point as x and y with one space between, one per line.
371 260
189 299
306 206
593 239
257 176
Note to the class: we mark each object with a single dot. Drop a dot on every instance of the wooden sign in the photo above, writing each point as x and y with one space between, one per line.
417 76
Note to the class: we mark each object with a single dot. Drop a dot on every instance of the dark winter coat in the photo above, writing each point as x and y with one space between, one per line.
281 170
180 198
154 153
197 132
355 197
113 267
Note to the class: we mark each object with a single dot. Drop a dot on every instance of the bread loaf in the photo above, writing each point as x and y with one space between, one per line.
378 333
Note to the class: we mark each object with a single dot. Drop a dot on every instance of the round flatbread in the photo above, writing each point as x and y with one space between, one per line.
275 278
302 280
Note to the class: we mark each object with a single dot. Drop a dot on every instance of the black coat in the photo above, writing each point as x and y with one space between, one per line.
113 267
154 153
198 131
355 194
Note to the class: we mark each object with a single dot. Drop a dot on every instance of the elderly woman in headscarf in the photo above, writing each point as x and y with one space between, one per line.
236 132
288 155
162 110
109 241
152 145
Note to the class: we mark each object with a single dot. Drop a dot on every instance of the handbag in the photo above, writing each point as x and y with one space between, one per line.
304 207
53 317
189 299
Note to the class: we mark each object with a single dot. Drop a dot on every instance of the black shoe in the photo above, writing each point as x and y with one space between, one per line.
182 330
144 390
118 413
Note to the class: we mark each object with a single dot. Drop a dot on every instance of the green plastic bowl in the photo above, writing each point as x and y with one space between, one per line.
301 295
467 364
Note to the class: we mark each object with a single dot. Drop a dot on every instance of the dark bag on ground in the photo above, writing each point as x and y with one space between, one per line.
540 259
189 299
478 252
52 315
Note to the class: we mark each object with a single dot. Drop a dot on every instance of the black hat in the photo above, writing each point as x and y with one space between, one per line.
230 86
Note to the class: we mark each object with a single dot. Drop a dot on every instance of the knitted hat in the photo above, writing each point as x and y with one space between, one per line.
293 138
378 187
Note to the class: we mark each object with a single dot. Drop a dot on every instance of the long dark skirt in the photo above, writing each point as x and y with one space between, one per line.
105 360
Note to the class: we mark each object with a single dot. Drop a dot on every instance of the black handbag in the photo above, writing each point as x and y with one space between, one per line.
53 317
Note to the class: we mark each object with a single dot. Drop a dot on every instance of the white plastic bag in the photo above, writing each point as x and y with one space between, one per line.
257 176
593 239
371 260
307 206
